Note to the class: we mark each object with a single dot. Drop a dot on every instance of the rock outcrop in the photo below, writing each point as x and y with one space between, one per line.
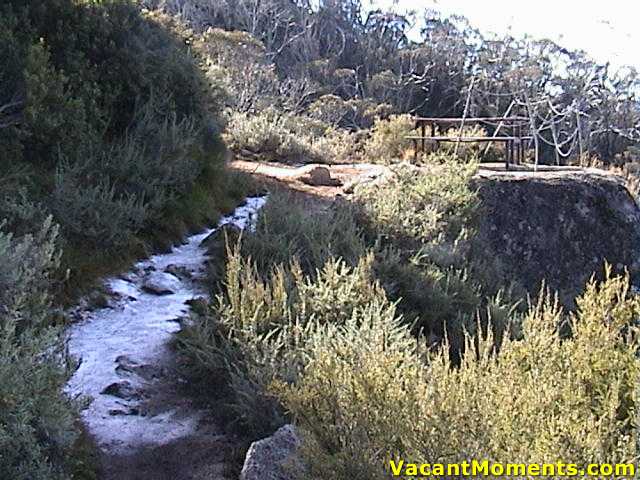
559 227
273 458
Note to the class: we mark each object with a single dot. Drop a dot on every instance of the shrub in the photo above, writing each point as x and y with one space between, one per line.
110 126
287 228
277 136
388 140
94 214
257 332
540 399
265 135
422 205
37 422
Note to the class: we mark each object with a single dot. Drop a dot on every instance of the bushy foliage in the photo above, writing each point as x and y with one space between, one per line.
388 140
423 205
257 331
37 423
288 228
95 213
328 348
107 123
520 405
277 136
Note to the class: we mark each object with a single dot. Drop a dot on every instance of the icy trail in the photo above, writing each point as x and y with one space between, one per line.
124 350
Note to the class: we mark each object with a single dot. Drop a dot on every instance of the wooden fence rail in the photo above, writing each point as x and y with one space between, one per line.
516 137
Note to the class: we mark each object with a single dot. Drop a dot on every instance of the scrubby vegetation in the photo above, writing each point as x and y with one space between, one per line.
347 63
376 325
384 337
37 423
108 125
111 146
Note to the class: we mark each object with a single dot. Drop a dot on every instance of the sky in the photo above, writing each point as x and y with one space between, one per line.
608 31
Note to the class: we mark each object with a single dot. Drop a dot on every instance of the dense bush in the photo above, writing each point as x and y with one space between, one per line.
37 423
423 205
288 227
273 135
257 331
107 122
388 142
542 397
328 348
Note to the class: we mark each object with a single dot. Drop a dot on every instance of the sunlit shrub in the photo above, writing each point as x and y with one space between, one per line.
278 136
257 331
366 396
286 228
388 140
422 204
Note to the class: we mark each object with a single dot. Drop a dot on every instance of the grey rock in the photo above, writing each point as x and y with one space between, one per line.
178 271
320 177
216 241
274 458
558 227
160 283
126 411
126 366
123 390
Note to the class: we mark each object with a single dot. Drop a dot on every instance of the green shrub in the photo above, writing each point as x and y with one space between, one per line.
276 136
287 228
257 331
37 422
422 205
110 125
388 140
94 214
366 396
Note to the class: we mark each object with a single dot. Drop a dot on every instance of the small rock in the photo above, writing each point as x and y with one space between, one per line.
214 243
127 411
320 177
179 271
126 366
160 283
123 390
273 458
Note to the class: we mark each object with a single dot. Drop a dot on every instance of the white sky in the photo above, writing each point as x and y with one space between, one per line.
609 30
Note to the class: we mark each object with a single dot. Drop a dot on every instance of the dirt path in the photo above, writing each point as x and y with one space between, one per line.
296 178
143 421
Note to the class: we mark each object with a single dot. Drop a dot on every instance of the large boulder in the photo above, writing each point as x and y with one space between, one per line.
558 227
273 458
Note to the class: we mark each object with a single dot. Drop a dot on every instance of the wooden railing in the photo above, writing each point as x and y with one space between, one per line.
516 138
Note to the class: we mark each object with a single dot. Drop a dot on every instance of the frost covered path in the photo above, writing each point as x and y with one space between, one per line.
145 427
